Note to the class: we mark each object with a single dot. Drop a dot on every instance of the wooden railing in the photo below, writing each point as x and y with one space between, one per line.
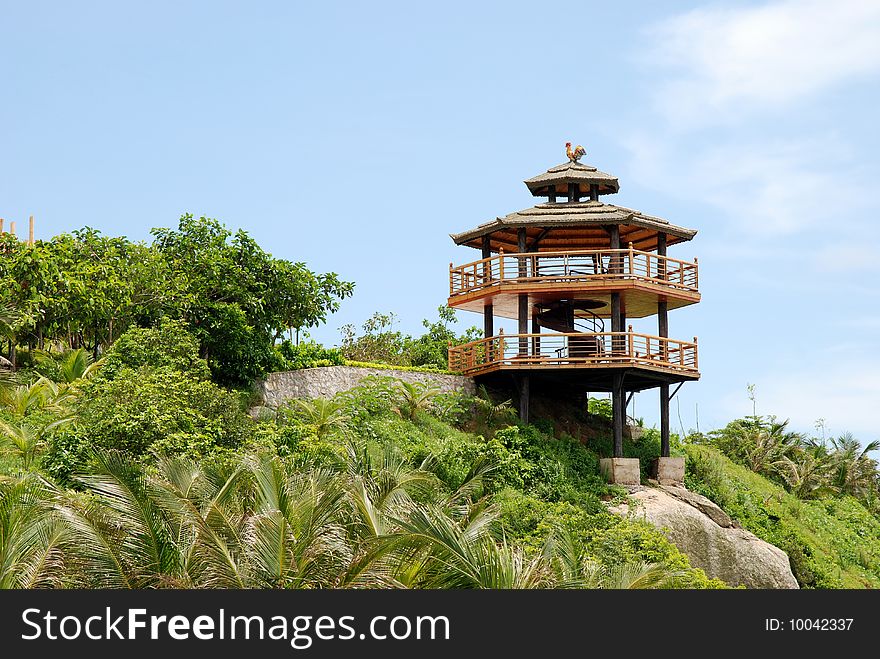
573 266
572 349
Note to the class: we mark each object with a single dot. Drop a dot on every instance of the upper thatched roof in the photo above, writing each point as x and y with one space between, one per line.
560 176
561 226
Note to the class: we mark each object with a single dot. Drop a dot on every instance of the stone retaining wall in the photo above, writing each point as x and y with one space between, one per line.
328 381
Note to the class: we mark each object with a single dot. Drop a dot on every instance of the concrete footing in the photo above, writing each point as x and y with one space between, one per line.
668 471
620 471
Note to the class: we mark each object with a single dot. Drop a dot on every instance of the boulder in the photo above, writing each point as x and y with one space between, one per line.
709 538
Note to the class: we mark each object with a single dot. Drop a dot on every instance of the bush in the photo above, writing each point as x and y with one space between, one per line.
151 411
307 354
169 345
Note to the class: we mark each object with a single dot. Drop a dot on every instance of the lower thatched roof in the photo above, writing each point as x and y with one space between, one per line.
581 225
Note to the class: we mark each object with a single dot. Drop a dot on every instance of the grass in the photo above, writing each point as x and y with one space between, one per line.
832 542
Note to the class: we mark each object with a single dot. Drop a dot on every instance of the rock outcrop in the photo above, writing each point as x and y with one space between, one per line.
709 538
327 381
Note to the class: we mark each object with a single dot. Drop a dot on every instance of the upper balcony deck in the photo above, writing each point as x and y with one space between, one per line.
643 276
578 351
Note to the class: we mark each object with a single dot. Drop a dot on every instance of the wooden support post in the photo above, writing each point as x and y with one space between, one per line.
523 323
664 420
617 412
573 192
594 192
617 318
551 194
663 327
31 231
661 254
488 309
12 228
616 325
523 298
1 225
524 399
536 329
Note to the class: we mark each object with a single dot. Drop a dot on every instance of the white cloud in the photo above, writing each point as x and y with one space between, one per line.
772 188
727 62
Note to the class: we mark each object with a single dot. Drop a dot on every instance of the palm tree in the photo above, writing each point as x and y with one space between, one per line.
125 539
768 443
573 568
26 440
42 395
491 410
441 553
32 539
855 472
414 396
324 415
808 477
75 366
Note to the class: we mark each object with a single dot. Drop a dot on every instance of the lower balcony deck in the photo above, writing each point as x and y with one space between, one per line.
588 358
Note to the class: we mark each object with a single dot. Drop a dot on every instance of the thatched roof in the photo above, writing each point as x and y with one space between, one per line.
560 176
579 225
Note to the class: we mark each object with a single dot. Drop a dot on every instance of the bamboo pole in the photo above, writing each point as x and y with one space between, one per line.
12 228
31 231
1 225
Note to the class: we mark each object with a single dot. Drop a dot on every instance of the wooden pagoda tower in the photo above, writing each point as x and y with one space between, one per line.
571 271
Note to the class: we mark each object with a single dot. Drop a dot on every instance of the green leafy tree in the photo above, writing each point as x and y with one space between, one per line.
236 298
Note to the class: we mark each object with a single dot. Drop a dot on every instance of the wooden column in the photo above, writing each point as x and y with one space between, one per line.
524 398
664 420
573 192
488 310
536 329
614 234
523 325
31 231
661 252
617 345
594 192
663 332
523 299
617 412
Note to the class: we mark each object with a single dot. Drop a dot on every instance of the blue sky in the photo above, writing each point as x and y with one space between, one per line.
356 136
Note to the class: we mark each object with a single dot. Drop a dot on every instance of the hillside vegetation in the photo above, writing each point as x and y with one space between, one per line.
832 542
139 471
128 457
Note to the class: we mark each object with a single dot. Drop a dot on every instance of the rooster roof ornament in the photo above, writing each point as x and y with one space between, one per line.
574 154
